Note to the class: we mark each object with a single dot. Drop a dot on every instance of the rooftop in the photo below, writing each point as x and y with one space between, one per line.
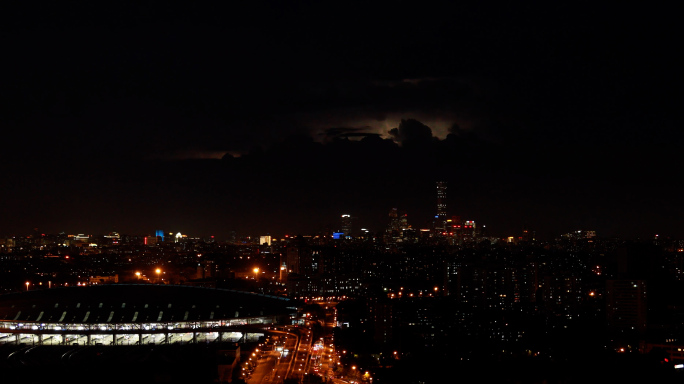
137 303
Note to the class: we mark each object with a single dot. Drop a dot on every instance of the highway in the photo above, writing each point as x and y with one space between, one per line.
278 361
298 356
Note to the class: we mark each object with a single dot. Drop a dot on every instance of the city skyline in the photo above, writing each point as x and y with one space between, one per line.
441 222
441 227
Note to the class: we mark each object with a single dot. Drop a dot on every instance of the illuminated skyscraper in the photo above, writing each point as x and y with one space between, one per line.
346 225
441 206
398 226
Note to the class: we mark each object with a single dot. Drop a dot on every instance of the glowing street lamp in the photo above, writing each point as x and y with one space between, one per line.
256 273
158 271
27 285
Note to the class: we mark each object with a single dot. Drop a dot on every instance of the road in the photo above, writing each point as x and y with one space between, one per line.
273 366
299 355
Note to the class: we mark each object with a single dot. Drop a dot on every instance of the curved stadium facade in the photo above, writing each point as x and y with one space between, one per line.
136 314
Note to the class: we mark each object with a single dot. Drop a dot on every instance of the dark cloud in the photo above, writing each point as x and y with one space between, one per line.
412 132
347 133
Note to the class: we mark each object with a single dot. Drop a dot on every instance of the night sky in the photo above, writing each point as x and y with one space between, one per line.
278 118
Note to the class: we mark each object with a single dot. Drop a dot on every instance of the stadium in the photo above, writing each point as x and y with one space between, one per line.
134 333
136 314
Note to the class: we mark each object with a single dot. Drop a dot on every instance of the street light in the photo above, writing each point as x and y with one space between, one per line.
158 271
256 273
27 285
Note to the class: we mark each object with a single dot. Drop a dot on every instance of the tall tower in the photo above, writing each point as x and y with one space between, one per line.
346 225
441 205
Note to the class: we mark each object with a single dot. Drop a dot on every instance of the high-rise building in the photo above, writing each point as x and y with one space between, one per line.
440 218
346 225
398 226
626 304
527 234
